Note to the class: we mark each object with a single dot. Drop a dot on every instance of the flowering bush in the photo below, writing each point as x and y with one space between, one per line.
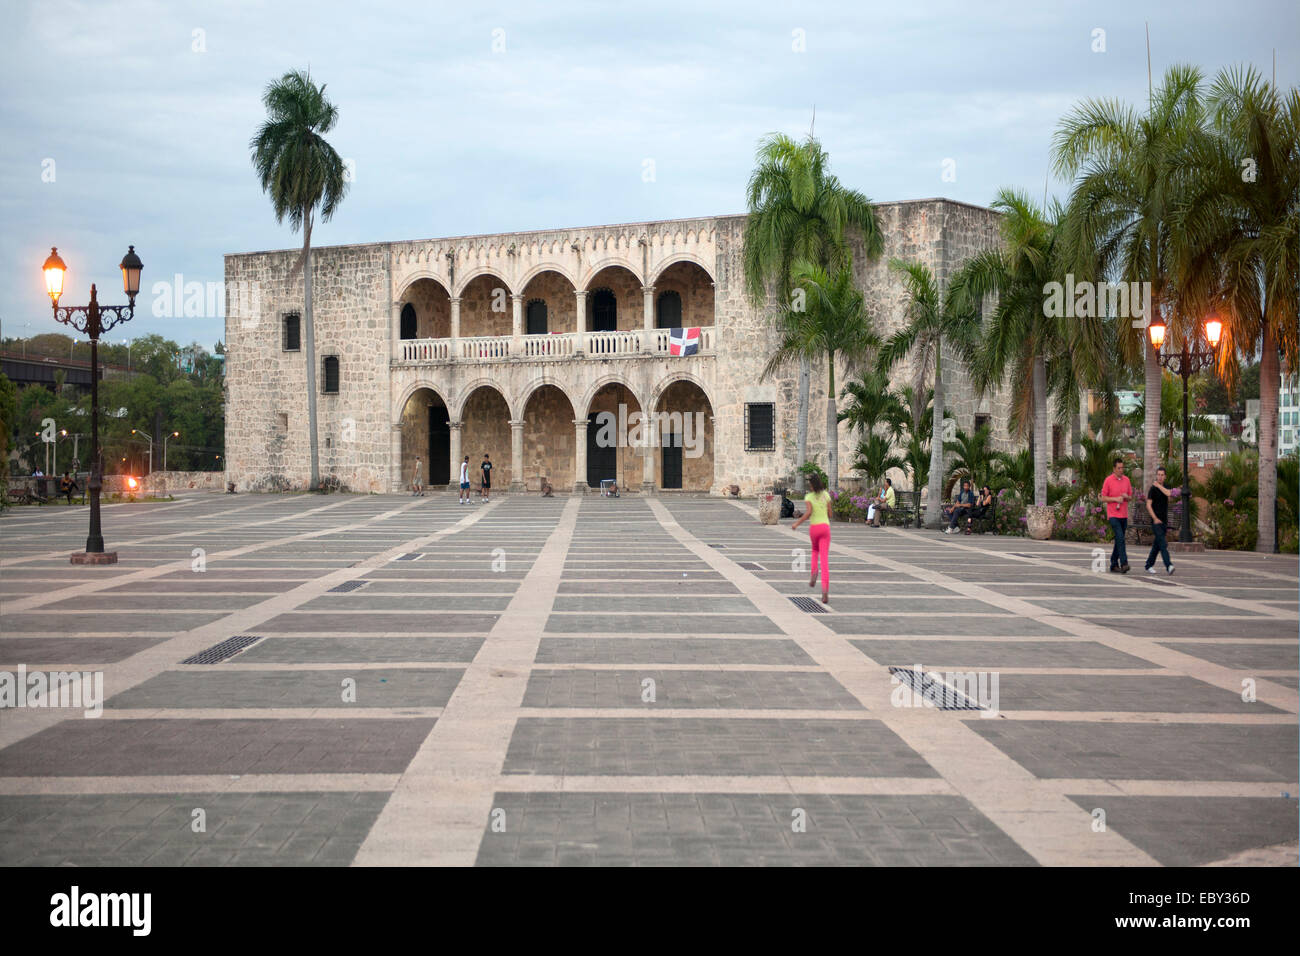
1009 514
1084 521
846 507
1230 527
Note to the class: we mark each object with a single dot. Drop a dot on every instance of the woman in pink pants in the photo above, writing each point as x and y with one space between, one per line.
817 514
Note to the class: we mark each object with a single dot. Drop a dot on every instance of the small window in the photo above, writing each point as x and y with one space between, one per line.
408 322
982 421
536 320
604 311
669 311
330 375
760 426
292 332
282 423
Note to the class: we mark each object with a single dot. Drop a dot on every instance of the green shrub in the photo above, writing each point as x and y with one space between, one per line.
1009 515
1231 528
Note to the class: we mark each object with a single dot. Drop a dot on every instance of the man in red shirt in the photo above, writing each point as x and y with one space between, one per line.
1117 491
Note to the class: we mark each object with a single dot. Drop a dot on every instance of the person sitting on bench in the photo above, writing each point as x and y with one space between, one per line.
67 485
961 505
884 502
983 502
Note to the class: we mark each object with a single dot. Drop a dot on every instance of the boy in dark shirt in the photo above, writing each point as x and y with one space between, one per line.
1158 505
486 468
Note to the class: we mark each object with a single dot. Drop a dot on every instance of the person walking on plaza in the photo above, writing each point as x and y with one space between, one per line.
1116 492
417 487
486 468
1158 506
464 481
817 514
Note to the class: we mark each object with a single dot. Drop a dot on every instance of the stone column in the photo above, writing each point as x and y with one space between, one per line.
580 456
648 308
581 321
517 308
454 481
650 433
395 475
517 457
455 327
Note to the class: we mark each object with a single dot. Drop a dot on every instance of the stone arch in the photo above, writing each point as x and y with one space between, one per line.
675 258
410 390
525 394
612 453
478 272
684 419
484 311
613 378
473 386
694 286
423 422
548 437
555 288
624 284
428 295
415 277
600 265
541 267
485 415
657 393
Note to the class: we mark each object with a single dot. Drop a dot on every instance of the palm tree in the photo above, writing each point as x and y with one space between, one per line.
1243 250
1199 427
1120 222
972 457
929 320
1015 470
798 211
302 174
874 458
871 404
1019 338
833 325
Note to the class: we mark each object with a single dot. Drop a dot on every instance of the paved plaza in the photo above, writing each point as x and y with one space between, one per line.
573 681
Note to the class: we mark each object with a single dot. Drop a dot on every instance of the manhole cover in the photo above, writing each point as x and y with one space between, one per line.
923 684
219 652
808 605
348 586
717 546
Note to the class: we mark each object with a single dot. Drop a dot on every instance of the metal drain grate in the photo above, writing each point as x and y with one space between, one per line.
750 566
720 546
808 605
410 556
348 586
219 652
944 697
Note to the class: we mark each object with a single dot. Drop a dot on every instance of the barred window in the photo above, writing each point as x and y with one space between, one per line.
760 426
292 332
330 375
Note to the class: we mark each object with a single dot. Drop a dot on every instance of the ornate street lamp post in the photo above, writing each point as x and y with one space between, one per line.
92 321
1198 353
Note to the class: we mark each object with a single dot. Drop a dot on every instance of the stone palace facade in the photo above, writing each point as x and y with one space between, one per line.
514 344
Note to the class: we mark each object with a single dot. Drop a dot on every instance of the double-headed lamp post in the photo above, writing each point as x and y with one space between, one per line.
92 321
1198 352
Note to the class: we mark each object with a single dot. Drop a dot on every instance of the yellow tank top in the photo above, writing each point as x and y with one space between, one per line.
819 502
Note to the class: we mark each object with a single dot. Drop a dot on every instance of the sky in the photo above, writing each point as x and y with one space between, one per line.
128 121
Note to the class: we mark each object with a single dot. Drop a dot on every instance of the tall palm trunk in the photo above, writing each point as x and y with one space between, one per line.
1040 430
1269 382
832 429
1151 402
801 426
309 344
934 507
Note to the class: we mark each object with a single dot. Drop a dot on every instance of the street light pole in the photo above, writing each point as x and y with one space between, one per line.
166 438
93 320
1198 352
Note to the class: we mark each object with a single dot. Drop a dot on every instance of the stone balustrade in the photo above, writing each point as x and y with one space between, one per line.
631 343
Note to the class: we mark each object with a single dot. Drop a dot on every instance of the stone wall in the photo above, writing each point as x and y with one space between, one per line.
549 439
561 303
485 429
172 482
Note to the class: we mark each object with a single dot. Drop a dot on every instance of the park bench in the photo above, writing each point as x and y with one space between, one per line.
903 514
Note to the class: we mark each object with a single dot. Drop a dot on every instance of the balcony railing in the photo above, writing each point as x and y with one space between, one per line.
566 345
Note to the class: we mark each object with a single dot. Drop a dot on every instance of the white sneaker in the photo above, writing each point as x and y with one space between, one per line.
1151 570
1170 569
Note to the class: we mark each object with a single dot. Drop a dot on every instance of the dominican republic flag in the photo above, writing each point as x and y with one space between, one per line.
684 341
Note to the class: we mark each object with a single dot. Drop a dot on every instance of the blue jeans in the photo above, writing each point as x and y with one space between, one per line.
1160 547
1118 554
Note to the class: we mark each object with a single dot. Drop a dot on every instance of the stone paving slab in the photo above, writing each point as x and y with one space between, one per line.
240 829
96 748
1203 751
360 650
991 654
1242 655
435 622
1234 629
610 623
615 746
1126 694
1193 831
719 829
677 650
947 625
71 650
713 689
200 688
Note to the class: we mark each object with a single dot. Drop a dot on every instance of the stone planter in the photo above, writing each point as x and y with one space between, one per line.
1039 521
769 509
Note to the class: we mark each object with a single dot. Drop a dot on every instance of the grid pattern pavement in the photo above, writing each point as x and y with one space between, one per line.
626 682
